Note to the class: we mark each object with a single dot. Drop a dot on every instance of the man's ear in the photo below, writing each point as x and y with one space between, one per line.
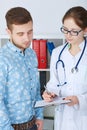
8 31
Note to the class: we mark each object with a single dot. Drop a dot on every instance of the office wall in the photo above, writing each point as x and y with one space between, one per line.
47 14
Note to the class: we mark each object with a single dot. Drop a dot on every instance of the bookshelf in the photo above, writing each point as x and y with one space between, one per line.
47 70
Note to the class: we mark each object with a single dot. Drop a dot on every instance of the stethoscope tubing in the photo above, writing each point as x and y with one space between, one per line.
63 65
59 57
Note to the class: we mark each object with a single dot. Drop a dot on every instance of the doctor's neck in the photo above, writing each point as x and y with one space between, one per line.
75 48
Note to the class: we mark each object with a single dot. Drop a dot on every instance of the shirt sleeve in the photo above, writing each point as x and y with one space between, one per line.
38 111
5 123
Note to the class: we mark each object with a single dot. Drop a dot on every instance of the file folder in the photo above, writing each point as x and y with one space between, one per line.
36 48
50 46
43 54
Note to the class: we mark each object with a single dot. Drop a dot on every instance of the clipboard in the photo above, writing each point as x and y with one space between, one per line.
56 101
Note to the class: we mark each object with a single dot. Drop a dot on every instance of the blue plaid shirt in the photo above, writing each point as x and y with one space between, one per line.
19 86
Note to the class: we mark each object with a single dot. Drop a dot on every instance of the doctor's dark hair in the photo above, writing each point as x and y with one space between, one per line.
79 14
17 16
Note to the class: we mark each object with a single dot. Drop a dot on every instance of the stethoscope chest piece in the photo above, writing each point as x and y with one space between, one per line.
73 70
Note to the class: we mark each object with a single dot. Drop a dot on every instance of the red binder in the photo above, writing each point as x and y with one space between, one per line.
36 48
43 54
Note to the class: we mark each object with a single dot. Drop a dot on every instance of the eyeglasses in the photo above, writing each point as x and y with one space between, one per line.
72 32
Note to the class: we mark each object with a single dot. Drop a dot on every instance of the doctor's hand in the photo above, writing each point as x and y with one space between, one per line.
47 96
74 100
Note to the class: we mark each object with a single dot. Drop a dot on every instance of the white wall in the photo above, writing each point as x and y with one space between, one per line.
47 14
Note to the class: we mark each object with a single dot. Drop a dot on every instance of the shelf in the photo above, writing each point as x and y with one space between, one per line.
44 69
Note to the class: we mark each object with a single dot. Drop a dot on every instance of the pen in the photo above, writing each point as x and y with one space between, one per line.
46 90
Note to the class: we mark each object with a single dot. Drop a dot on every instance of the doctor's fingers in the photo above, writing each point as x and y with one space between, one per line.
70 104
47 96
68 98
73 99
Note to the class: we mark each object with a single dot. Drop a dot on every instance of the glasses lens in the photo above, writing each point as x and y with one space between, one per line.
63 30
74 33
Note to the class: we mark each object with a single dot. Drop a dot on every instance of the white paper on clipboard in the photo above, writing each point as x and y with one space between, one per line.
56 101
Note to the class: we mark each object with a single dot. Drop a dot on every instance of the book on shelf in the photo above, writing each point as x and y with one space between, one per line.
43 54
36 48
39 46
50 46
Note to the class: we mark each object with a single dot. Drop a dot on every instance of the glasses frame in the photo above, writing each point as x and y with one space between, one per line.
70 32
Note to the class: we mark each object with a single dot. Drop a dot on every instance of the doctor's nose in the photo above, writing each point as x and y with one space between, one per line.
68 34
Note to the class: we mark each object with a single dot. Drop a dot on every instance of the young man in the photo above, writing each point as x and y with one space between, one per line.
19 81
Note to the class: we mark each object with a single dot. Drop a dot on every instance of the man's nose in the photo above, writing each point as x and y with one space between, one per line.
26 37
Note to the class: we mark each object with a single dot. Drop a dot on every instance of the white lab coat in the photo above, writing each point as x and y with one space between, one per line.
70 117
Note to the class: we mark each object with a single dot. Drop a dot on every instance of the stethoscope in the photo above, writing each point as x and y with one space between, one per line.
74 69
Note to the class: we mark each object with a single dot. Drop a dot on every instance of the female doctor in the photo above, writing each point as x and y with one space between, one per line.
68 73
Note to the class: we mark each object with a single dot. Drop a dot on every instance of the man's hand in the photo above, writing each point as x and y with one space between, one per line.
39 124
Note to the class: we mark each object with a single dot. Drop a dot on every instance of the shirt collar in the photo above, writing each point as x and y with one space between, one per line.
14 48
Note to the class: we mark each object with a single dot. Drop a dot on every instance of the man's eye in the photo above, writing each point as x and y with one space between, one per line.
30 32
20 34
